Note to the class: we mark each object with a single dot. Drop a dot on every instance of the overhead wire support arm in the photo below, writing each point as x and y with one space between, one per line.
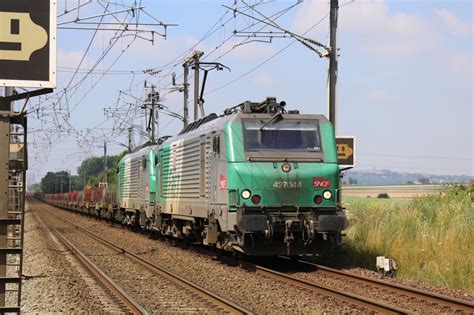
96 16
66 11
80 23
304 40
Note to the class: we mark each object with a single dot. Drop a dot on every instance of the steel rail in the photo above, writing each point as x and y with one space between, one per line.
356 299
226 305
126 301
451 302
366 303
363 302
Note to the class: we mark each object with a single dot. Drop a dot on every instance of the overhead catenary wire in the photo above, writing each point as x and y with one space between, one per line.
266 60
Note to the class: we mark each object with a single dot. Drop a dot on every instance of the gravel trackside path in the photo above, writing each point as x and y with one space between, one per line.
54 280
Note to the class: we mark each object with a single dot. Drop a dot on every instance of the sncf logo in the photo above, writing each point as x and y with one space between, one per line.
321 182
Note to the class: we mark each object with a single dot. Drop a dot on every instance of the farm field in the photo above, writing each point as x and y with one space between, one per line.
431 237
394 191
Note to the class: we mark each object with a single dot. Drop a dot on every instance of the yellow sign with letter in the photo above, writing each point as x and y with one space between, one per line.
345 151
20 36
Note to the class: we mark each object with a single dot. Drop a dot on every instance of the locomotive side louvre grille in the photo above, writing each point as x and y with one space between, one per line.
183 170
185 174
205 167
130 185
202 169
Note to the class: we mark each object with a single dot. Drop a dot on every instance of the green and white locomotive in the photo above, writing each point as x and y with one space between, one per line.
136 180
259 180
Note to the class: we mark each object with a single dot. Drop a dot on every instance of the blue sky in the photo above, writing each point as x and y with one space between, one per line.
405 80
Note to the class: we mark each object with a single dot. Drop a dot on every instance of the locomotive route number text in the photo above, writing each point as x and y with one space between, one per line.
284 184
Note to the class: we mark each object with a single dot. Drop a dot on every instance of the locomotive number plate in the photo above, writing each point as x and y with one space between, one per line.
285 184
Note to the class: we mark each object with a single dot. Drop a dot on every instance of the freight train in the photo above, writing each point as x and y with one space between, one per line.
258 179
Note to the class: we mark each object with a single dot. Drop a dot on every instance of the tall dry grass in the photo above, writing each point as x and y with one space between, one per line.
431 237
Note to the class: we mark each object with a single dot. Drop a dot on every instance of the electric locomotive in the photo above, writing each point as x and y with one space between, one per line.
136 181
259 180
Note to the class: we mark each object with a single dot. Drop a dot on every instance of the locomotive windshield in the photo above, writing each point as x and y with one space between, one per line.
283 135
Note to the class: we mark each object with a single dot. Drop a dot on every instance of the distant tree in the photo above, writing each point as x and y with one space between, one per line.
113 162
36 187
90 167
77 182
424 180
55 182
383 196
409 182
90 172
352 181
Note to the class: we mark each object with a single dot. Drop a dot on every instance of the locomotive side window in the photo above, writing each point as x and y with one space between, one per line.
285 135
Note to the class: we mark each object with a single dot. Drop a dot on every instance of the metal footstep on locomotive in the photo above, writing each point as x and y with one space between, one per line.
258 179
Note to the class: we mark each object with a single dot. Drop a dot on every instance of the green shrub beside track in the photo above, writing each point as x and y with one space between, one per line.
430 237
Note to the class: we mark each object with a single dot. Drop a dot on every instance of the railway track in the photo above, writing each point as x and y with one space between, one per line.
444 303
433 301
126 303
371 306
214 301
409 297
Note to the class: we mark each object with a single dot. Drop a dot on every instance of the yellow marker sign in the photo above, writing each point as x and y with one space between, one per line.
344 151
20 36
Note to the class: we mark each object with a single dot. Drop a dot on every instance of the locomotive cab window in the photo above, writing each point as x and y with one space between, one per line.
283 135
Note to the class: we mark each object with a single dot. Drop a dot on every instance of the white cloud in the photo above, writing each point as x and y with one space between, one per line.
378 31
461 63
380 96
263 80
68 59
308 14
454 25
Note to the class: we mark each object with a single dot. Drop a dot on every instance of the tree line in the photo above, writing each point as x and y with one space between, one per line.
90 173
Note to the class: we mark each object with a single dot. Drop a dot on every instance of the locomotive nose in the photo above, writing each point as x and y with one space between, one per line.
287 184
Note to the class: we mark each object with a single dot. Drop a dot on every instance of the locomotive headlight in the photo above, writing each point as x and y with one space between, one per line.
286 167
327 195
246 194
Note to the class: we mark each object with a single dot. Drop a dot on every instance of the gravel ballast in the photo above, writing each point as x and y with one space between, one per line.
253 291
54 280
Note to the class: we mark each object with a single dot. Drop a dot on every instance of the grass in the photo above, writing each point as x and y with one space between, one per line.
430 237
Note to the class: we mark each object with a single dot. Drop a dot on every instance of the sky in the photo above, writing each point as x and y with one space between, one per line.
405 89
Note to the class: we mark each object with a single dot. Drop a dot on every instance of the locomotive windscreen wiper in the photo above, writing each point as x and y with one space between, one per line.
278 116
